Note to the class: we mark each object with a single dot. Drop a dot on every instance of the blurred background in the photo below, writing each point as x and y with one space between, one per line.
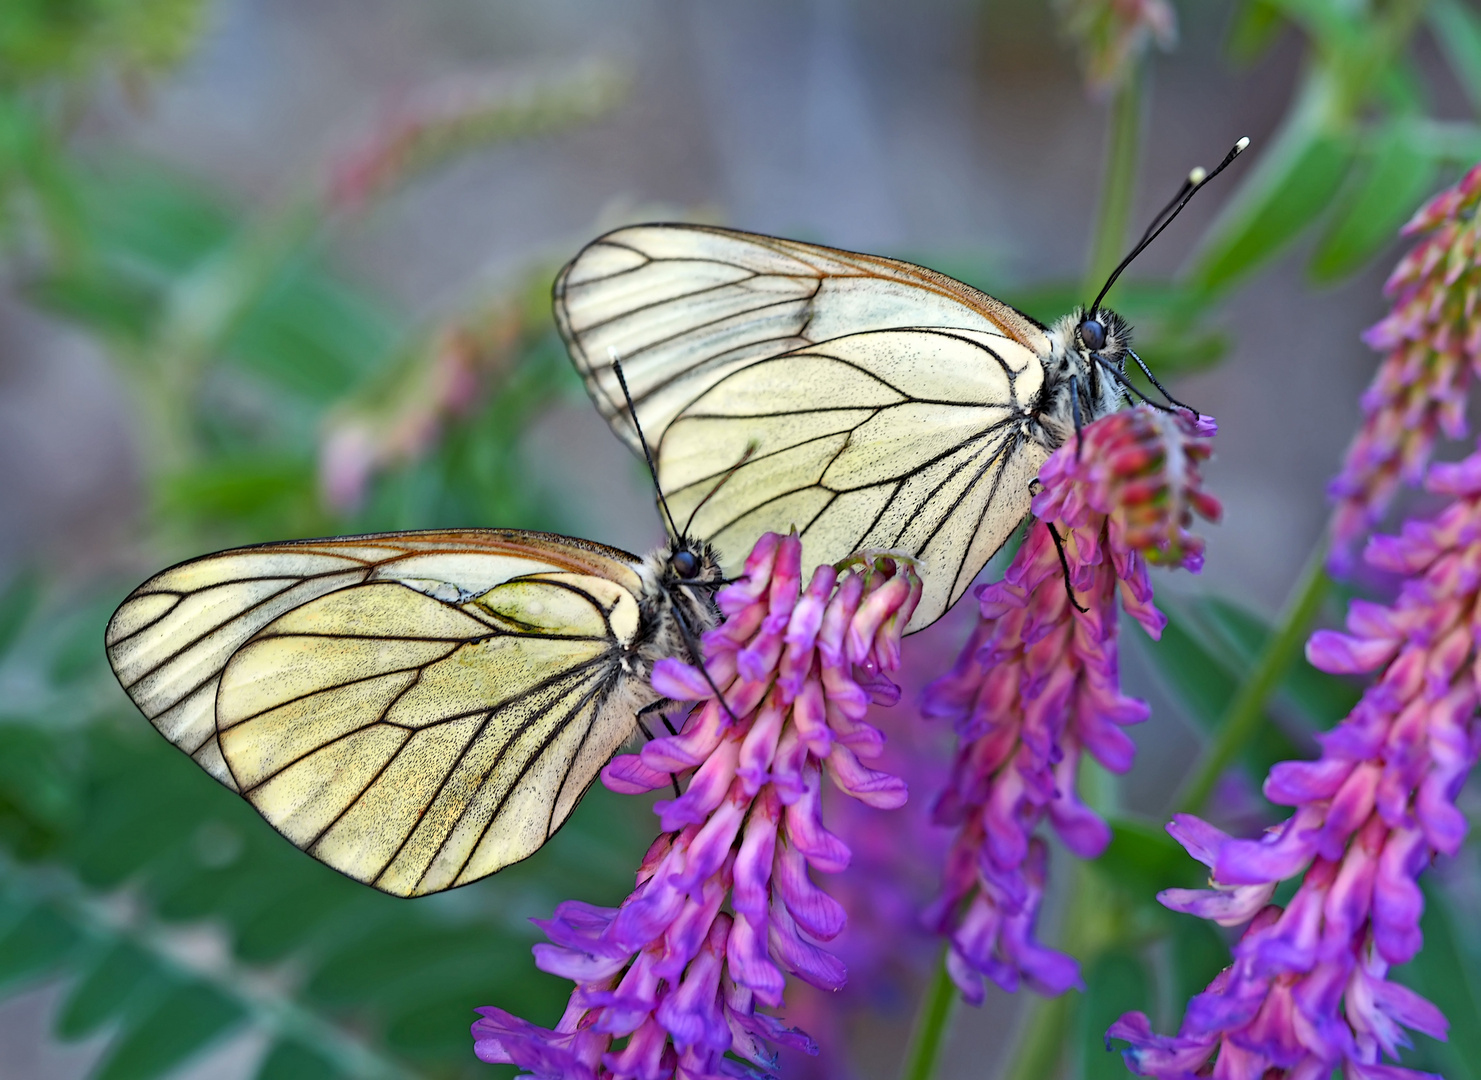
280 268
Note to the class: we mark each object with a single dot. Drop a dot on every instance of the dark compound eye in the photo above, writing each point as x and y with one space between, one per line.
1093 334
686 564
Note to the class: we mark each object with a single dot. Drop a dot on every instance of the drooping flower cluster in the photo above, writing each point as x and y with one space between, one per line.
1038 684
1113 34
1308 990
1432 345
668 983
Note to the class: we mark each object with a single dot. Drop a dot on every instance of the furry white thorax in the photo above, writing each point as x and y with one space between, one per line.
1098 390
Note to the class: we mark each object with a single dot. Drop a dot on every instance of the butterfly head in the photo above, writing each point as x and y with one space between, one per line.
1099 337
686 561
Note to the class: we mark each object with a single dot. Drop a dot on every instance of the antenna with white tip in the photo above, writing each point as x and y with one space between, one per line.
1197 178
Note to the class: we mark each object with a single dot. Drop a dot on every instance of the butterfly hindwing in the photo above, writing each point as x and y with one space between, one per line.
417 710
682 306
907 439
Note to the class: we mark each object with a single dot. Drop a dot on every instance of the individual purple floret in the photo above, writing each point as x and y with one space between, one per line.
668 984
1308 991
1432 345
1038 684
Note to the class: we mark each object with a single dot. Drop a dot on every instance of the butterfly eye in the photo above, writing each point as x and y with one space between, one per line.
1093 335
686 565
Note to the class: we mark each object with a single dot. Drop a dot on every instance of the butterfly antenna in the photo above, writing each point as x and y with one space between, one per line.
750 449
696 653
632 410
1195 181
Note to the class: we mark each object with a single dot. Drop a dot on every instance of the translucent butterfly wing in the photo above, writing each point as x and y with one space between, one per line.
415 709
915 440
682 306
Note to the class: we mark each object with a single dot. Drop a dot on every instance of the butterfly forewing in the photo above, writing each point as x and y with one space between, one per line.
416 710
682 306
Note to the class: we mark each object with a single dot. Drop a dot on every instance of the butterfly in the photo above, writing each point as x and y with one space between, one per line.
415 709
863 401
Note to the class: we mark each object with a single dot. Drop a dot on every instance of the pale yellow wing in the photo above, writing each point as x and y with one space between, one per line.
170 640
682 306
416 743
916 440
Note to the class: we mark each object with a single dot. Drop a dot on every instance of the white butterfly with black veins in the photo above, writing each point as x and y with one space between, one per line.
864 401
415 709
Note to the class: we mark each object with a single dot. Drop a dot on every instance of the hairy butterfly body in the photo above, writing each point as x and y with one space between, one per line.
417 709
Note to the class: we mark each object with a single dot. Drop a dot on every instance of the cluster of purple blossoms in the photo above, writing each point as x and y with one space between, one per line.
1038 684
1432 342
1308 991
668 975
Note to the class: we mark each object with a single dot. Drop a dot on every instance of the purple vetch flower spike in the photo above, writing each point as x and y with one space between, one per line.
668 984
1308 991
1431 341
1038 686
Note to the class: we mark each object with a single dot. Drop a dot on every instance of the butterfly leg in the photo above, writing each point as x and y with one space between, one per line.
1075 410
1064 567
1172 400
659 706
697 655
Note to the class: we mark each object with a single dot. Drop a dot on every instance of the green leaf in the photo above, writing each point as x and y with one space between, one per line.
37 790
1395 178
1288 189
121 976
1196 953
184 1022
294 1061
1202 683
1321 699
1457 30
1118 982
1143 859
1256 25
41 941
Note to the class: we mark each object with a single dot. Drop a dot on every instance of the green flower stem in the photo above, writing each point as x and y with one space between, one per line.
1246 710
1040 1053
932 1025
1118 185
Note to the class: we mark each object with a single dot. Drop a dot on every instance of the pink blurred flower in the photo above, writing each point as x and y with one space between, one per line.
668 971
1308 991
1112 35
1038 684
1432 345
403 418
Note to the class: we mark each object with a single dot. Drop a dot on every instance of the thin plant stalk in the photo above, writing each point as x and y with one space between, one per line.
1246 710
1118 186
932 1025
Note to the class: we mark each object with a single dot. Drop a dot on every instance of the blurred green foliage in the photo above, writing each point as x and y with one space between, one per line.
173 917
